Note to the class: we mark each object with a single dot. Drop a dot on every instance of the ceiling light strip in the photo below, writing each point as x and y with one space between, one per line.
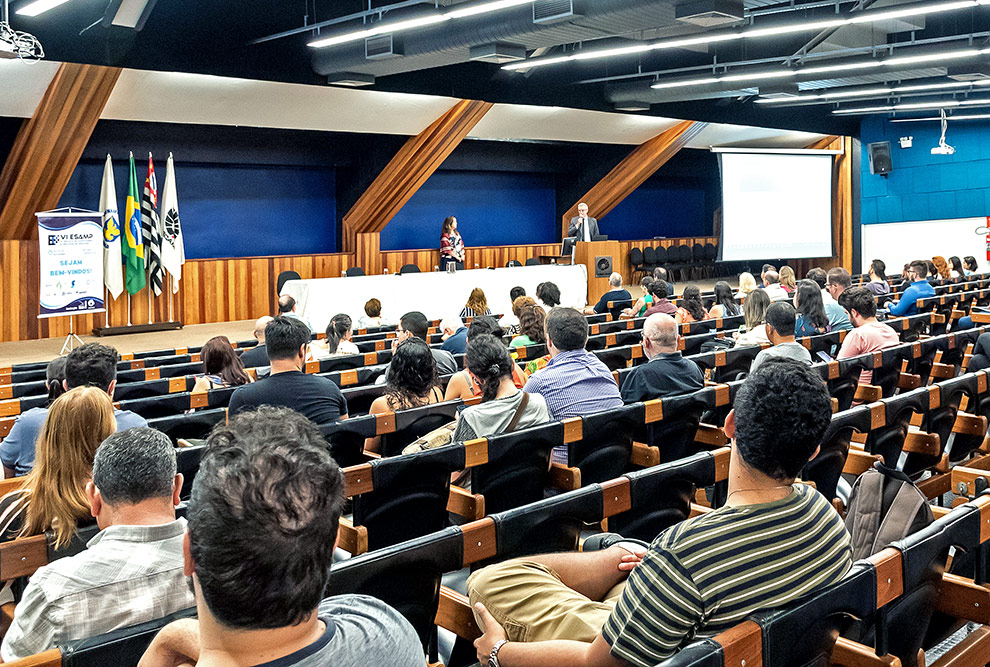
39 7
872 92
943 104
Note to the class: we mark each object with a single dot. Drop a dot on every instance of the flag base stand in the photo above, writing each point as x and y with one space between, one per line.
136 328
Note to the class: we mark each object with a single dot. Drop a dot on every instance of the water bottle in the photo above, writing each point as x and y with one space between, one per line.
386 271
476 265
343 274
436 267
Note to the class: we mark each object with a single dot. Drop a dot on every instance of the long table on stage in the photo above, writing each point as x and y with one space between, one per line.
436 294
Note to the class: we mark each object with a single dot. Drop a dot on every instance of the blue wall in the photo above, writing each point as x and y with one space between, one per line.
492 208
232 210
922 186
654 210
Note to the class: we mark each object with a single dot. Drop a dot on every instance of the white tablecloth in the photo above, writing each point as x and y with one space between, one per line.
435 294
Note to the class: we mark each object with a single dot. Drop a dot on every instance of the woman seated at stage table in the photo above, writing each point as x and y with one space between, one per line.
221 366
754 313
811 317
372 316
338 341
412 382
692 308
53 496
451 244
463 384
747 284
788 279
549 295
477 305
725 304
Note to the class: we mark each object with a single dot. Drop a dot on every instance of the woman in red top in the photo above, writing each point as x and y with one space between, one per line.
451 244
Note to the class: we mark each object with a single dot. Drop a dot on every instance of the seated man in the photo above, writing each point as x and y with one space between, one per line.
510 321
574 382
454 335
315 397
838 318
258 355
287 308
838 280
91 364
415 325
131 571
658 288
666 373
771 543
262 528
919 288
780 319
615 293
462 384
773 288
869 334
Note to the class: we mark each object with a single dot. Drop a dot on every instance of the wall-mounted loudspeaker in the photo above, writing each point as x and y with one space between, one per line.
603 267
880 157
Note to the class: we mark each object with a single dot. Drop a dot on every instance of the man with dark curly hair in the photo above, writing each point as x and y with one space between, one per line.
771 543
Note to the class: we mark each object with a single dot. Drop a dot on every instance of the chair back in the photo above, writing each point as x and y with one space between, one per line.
119 647
518 466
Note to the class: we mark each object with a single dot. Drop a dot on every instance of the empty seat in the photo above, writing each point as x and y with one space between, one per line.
354 271
409 268
533 261
284 277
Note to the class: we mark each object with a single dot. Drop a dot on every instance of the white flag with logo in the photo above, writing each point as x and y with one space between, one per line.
113 276
173 252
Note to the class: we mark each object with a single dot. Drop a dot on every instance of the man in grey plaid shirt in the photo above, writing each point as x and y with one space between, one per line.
131 572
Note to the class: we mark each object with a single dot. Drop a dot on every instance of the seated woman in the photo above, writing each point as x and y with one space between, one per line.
462 384
747 284
644 302
476 306
221 366
338 341
372 316
549 295
519 304
412 382
692 308
970 265
788 279
755 313
504 406
55 379
811 317
725 304
54 492
942 266
957 268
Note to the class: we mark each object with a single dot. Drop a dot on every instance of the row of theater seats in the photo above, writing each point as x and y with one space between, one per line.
679 260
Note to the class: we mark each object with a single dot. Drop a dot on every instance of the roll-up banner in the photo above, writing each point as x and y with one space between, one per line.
71 250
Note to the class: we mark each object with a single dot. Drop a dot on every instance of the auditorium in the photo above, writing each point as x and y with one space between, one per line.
508 333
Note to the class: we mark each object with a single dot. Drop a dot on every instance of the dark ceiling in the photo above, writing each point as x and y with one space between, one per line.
214 37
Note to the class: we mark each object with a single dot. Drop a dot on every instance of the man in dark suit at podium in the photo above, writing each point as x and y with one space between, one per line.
583 227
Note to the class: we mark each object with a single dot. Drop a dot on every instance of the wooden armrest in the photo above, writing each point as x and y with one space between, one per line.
858 438
939 512
848 653
858 462
710 435
471 506
964 479
6 617
698 510
962 598
868 393
182 442
909 381
919 442
352 539
835 405
454 613
23 556
564 477
968 424
943 371
644 455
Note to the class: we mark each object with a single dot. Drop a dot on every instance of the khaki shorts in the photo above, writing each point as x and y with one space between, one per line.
532 604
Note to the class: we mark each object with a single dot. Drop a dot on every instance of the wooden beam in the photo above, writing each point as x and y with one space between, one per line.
823 144
49 145
408 170
634 169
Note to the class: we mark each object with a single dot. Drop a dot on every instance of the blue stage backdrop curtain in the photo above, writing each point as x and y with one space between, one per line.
657 210
235 210
492 208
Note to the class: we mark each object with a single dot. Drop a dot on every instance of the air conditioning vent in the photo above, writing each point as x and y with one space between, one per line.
382 47
554 11
709 13
974 71
498 53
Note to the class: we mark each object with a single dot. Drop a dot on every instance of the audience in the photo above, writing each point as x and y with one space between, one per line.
763 274
519 306
747 284
878 278
754 314
55 379
666 373
257 356
574 381
981 354
771 285
415 325
971 267
315 397
811 317
788 280
131 571
262 527
692 308
780 331
941 267
338 341
549 295
869 334
660 273
53 495
725 303
477 304
503 408
89 365
510 320
957 267
658 288
644 302
412 382
699 577
463 384
919 288
454 335
615 293
533 327
287 308
221 366
372 316
837 317
838 281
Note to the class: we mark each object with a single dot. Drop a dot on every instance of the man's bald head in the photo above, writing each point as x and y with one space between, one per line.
259 327
615 280
660 332
771 277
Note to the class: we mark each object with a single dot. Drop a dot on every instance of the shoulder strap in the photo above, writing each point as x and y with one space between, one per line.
515 418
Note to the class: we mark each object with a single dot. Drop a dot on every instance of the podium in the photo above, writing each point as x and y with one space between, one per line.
588 253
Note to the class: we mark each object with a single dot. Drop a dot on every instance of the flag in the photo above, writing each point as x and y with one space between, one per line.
173 252
113 276
134 246
151 229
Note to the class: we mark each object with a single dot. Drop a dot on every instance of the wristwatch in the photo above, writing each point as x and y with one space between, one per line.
493 656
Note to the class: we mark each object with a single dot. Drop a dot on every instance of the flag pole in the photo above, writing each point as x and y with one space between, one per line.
171 293
106 306
128 309
149 295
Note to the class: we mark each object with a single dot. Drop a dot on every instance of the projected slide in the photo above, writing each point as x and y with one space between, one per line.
776 205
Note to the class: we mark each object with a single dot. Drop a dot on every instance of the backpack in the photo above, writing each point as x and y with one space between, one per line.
884 506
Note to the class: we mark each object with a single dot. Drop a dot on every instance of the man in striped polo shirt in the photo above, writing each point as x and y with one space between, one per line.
771 543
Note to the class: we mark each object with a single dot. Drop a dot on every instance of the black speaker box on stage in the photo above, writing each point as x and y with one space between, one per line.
603 266
880 157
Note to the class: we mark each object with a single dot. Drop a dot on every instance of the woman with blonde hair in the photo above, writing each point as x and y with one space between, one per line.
54 492
477 305
788 280
747 283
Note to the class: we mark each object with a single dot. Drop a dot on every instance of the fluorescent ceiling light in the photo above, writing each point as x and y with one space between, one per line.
39 6
929 57
944 104
971 116
689 82
842 68
866 92
386 27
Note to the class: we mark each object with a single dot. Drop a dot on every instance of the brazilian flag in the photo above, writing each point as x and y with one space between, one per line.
134 241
